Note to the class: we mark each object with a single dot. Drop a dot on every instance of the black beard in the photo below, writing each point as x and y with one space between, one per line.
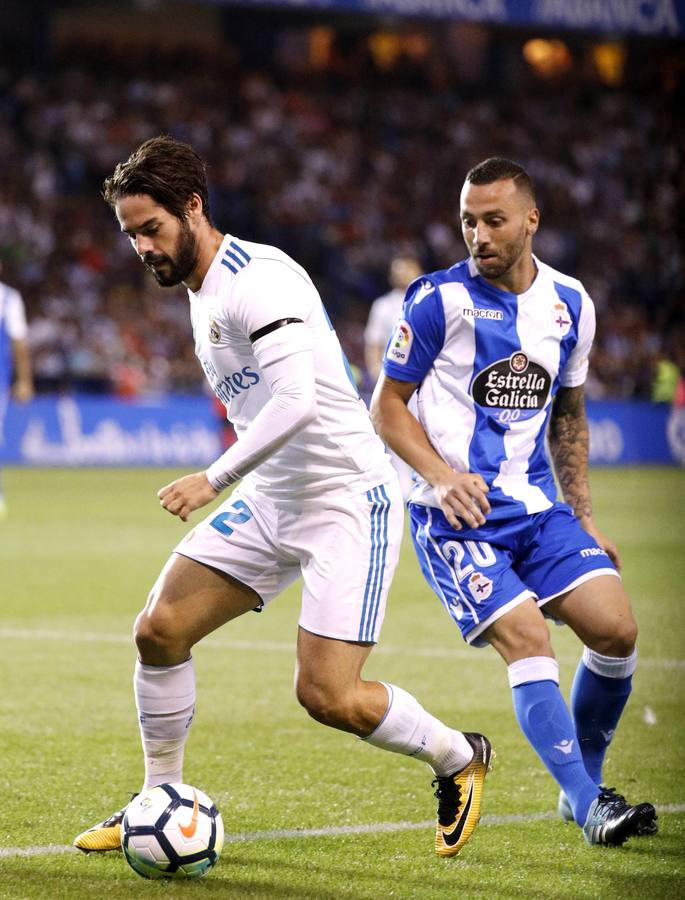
508 257
185 260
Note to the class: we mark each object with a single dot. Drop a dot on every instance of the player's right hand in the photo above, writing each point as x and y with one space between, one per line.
462 496
185 494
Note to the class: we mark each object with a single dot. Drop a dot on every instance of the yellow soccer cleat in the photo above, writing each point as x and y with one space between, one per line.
459 797
104 836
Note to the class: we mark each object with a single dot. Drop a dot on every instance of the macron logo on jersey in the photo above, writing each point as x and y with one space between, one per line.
477 313
400 343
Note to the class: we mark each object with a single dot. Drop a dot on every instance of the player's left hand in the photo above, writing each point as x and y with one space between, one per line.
605 543
185 494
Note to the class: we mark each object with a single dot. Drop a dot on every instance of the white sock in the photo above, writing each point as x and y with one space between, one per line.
165 700
409 729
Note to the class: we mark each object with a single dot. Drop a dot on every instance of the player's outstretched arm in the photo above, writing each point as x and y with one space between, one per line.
569 443
462 495
287 364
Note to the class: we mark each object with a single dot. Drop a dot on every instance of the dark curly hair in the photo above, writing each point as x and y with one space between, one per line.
165 169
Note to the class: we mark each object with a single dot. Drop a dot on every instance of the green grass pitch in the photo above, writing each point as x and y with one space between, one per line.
78 553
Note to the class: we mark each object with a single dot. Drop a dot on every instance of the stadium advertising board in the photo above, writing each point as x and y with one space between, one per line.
183 431
88 431
647 17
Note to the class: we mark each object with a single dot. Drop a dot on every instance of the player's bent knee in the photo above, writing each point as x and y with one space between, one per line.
325 706
521 639
158 639
619 640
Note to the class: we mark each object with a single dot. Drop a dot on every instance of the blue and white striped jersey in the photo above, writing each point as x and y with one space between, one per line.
488 364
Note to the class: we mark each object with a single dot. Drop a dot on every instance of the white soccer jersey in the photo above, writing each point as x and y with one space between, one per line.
12 328
489 364
248 287
383 316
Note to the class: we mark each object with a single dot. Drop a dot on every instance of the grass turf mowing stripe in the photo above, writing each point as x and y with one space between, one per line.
218 643
332 831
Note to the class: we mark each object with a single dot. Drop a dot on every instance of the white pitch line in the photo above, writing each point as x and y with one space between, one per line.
47 850
220 643
373 828
332 831
648 717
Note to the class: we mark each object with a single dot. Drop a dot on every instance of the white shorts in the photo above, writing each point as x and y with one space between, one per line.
345 546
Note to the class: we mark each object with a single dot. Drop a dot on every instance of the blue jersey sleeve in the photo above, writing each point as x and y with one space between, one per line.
418 336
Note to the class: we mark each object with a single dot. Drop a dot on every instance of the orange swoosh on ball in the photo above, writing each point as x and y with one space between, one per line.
189 830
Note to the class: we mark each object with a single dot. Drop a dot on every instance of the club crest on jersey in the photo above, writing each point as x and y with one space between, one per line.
519 363
513 388
214 332
400 343
561 318
480 586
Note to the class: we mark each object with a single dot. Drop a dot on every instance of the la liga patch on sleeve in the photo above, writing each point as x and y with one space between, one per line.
400 343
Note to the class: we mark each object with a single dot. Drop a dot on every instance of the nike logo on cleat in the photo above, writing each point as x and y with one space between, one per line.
453 837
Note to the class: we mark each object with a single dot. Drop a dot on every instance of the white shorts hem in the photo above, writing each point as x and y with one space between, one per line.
498 613
317 632
578 581
212 563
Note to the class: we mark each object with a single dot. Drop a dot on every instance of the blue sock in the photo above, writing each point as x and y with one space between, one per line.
546 722
597 701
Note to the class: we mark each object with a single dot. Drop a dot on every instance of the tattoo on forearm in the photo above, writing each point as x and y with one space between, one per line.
569 446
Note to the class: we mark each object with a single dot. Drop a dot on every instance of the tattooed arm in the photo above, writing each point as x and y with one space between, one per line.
569 446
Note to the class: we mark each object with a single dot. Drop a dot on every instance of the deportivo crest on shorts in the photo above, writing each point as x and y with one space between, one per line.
214 332
561 318
400 343
480 586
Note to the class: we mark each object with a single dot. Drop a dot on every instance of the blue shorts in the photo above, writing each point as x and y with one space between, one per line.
479 574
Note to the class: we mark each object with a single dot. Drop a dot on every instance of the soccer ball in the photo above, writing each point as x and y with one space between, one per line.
172 831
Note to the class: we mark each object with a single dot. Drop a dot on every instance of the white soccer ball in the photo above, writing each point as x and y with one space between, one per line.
172 831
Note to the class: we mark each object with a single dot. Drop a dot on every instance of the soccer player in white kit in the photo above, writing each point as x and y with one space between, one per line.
497 347
383 315
318 498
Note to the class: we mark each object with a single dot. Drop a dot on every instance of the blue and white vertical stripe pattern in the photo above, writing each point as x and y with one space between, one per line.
373 592
235 258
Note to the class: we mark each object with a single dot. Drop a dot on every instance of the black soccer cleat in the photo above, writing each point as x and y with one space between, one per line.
646 828
611 821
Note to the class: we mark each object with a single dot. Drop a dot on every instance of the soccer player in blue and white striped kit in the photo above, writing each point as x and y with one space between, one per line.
496 349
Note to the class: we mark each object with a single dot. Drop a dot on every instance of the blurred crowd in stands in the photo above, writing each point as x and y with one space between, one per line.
342 164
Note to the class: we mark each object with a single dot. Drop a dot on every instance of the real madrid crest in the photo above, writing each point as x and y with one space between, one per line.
214 332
